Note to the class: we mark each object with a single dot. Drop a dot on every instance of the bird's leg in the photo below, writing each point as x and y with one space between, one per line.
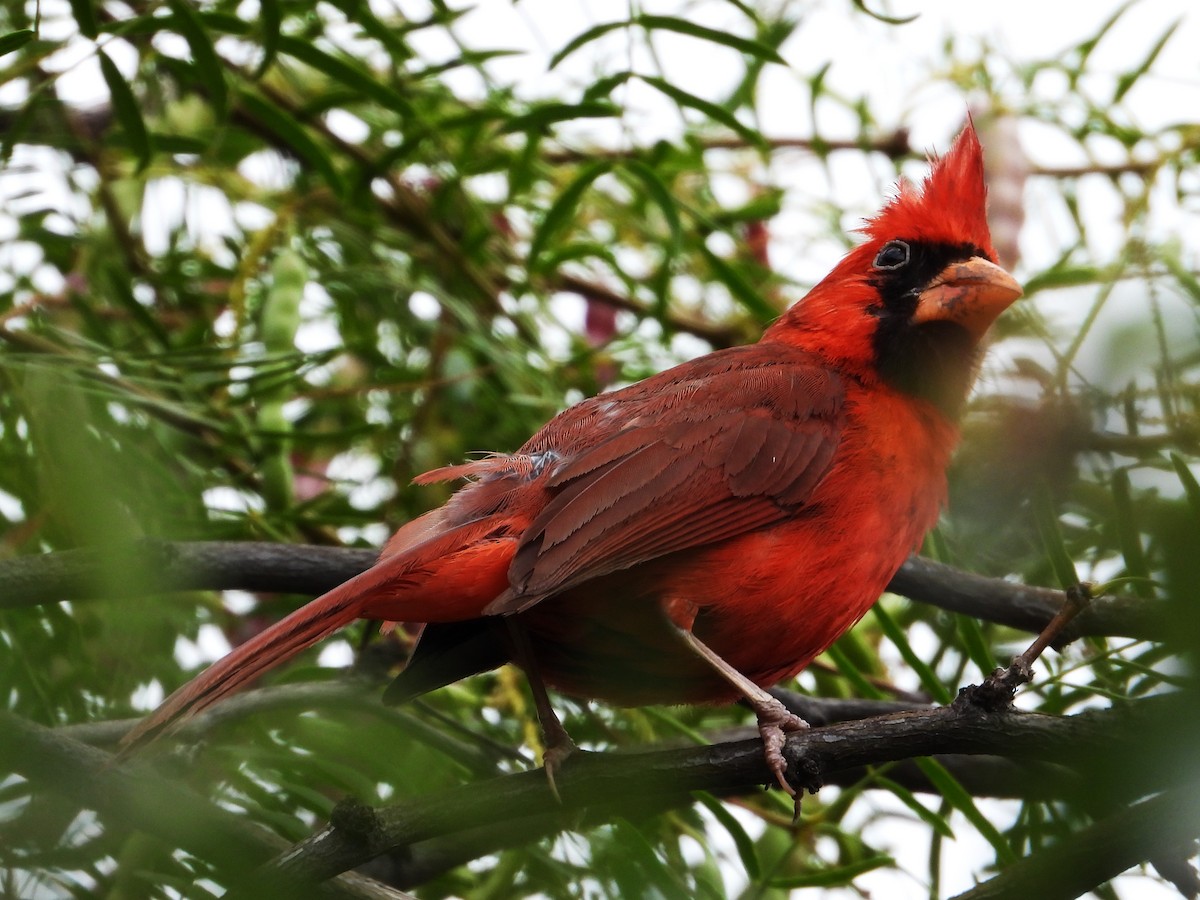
775 720
558 744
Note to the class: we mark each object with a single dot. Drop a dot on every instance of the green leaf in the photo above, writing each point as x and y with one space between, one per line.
15 40
175 143
1175 265
84 12
741 840
349 75
887 20
765 206
1052 540
1130 78
975 643
544 115
1063 277
473 58
125 106
743 291
580 40
835 876
562 211
1190 486
909 799
271 18
862 687
1086 48
638 849
204 55
895 634
658 191
954 793
1128 535
708 108
749 46
294 135
605 86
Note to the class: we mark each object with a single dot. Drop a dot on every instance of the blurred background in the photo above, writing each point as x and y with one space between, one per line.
261 263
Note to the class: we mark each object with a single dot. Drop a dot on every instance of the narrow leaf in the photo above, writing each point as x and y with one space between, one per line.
862 687
741 840
344 72
605 86
1175 265
544 115
887 20
84 12
1129 79
658 191
580 40
765 206
749 46
895 634
562 211
204 55
909 799
293 134
657 873
835 876
15 40
1063 277
125 106
708 108
1128 535
975 643
1190 486
271 20
1052 540
956 795
743 291
472 58
1086 48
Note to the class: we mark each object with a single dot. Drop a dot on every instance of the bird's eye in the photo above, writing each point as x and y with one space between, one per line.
893 255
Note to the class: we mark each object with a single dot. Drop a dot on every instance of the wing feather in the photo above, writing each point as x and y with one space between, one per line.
692 462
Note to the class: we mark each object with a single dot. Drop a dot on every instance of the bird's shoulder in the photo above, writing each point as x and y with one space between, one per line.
771 378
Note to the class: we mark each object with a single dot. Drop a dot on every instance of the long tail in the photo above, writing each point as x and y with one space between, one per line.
264 651
449 576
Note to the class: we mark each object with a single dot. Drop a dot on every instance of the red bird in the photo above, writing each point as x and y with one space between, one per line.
705 533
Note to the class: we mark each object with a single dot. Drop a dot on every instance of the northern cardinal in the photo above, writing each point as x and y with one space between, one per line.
705 533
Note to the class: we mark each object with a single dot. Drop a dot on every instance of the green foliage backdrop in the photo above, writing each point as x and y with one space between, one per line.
306 251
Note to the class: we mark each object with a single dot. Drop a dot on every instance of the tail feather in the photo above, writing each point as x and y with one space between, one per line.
435 573
269 648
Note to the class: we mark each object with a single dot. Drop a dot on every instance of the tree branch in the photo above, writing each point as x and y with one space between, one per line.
982 776
1006 753
1098 744
311 569
1025 607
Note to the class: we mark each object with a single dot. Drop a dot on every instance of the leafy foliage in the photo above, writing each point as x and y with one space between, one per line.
299 256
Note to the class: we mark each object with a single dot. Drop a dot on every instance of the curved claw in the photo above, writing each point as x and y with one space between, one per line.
775 722
554 756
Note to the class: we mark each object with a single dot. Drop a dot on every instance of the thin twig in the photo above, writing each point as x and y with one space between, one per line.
1002 684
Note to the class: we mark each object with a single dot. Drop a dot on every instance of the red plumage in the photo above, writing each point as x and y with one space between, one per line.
754 501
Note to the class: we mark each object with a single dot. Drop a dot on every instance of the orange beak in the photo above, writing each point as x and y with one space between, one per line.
971 294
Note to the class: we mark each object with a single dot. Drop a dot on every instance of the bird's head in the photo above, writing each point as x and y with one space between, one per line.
910 305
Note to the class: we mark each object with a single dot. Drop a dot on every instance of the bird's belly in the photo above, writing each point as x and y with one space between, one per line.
617 639
767 602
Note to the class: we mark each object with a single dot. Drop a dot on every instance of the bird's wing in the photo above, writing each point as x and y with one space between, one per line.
706 456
